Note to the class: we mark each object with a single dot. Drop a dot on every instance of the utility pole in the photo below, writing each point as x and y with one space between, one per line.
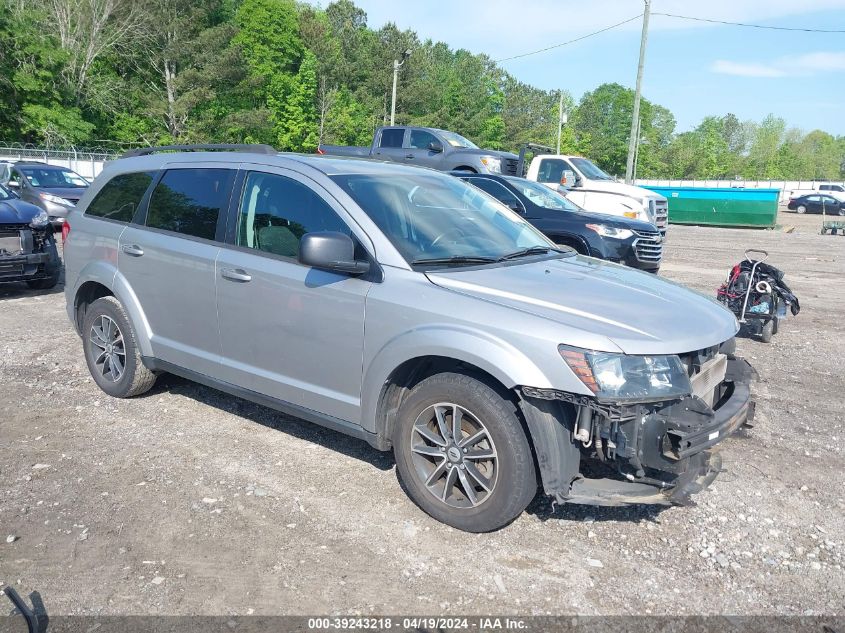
561 121
396 66
632 145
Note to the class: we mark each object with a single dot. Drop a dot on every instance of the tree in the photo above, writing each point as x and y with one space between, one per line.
297 123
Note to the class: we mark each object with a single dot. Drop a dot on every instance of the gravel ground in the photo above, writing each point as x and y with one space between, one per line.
187 501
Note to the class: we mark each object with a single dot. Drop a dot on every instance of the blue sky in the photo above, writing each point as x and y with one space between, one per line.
694 69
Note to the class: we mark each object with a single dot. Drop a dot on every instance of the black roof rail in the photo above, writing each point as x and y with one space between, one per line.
227 147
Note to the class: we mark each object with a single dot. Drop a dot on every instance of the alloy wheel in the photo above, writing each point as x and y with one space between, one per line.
107 348
454 455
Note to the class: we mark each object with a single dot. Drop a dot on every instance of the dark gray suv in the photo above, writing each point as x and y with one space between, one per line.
409 309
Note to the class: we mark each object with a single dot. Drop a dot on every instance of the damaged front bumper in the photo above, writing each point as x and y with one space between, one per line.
658 453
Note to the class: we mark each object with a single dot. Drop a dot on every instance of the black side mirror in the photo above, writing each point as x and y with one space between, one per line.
330 250
435 146
514 205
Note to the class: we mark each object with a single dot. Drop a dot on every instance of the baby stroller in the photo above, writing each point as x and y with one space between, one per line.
757 294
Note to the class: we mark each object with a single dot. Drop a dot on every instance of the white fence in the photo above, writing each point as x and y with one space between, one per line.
785 186
87 163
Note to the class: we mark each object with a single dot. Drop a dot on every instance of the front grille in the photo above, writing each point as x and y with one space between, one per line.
509 167
13 228
661 215
648 246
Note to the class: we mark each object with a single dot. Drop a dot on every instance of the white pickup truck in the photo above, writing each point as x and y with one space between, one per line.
583 182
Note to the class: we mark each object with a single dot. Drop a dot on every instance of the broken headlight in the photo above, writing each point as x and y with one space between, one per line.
39 220
623 377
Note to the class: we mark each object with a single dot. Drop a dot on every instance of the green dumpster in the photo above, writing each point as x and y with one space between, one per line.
721 206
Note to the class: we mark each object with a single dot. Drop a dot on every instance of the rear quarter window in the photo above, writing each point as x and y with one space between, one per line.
120 197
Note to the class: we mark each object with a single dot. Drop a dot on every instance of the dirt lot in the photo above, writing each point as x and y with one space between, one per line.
186 501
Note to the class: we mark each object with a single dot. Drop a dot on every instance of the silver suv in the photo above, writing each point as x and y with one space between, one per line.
407 308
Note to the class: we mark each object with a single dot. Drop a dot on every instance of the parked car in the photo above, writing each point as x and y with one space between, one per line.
407 308
588 186
816 203
27 246
52 188
630 242
429 147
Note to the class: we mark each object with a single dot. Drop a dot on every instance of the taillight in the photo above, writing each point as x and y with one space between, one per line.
65 231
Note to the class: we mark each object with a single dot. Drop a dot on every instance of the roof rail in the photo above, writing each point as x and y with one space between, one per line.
227 147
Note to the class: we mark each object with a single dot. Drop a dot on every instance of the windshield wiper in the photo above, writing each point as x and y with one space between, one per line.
456 259
532 250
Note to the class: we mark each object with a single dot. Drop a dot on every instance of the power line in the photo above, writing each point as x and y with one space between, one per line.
577 39
751 26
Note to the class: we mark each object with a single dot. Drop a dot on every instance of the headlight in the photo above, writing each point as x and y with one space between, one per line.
40 219
492 163
621 377
49 197
609 231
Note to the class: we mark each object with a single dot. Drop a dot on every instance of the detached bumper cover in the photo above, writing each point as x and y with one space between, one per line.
668 447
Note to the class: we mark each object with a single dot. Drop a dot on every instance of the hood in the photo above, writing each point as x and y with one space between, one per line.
634 311
611 186
17 211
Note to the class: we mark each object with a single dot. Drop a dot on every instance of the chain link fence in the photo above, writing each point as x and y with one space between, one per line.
86 161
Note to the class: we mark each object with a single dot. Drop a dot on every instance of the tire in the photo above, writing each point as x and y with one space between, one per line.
767 332
98 339
503 457
841 211
55 269
801 209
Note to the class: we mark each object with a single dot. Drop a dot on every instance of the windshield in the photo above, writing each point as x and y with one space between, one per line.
434 217
53 178
5 194
542 196
591 170
456 140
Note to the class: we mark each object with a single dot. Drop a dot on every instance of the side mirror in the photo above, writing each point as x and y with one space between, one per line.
435 146
13 184
569 178
514 205
330 250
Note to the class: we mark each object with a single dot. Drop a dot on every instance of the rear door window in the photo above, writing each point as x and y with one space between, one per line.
498 191
392 137
189 201
120 197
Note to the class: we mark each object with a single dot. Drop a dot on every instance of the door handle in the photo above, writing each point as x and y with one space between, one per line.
133 249
409 155
235 274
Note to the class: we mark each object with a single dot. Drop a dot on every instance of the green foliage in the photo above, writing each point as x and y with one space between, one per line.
295 75
55 124
297 122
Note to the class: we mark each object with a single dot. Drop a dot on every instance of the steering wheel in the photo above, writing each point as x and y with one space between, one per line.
458 233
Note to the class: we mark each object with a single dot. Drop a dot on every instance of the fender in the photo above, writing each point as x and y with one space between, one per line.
498 358
108 275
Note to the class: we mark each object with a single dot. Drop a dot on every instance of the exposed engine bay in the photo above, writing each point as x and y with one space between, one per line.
657 452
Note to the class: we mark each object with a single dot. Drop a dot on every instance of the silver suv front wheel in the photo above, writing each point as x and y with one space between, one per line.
462 454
